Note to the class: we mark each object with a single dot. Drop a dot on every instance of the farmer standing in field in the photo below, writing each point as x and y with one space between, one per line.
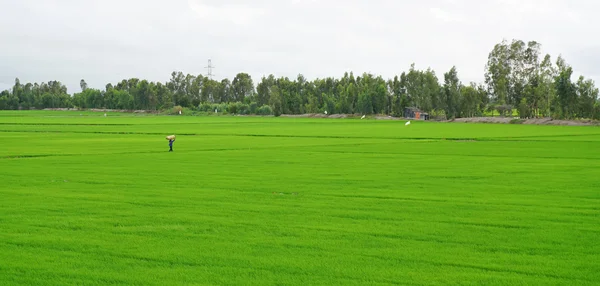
171 140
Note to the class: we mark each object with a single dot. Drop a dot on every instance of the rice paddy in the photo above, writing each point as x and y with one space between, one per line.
94 200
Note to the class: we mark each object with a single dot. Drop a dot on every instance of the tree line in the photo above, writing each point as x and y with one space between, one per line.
517 78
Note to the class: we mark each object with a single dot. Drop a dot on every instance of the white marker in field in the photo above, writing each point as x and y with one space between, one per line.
104 114
179 112
363 117
407 123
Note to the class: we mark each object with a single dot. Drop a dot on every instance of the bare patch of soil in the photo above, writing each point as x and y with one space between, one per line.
533 121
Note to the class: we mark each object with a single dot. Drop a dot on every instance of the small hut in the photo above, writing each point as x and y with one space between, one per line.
415 114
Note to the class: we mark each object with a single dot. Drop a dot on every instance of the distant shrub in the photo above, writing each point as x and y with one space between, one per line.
206 107
184 111
597 111
166 106
253 107
174 110
504 110
239 108
523 110
264 110
437 114
516 121
189 111
243 109
221 108
211 108
234 107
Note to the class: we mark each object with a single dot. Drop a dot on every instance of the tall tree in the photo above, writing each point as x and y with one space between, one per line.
275 101
587 96
452 87
242 86
566 92
470 99
546 90
498 70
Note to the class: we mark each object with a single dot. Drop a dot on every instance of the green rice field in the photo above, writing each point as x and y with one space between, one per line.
93 200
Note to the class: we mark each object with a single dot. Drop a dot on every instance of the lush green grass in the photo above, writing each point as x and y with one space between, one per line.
89 200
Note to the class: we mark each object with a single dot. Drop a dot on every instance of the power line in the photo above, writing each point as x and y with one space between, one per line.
209 67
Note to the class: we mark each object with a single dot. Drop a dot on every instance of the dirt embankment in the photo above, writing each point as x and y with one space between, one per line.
533 121
100 110
321 115
317 115
496 120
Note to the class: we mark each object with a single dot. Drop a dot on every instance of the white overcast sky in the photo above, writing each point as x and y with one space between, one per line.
109 40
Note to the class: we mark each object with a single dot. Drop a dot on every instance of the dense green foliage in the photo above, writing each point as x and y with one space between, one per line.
94 200
516 78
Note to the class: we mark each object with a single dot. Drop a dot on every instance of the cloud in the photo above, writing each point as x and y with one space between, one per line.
585 61
239 14
446 16
106 41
